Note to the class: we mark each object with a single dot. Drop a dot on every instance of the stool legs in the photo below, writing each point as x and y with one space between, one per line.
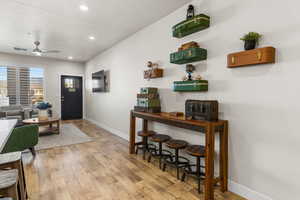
177 163
146 147
197 173
161 154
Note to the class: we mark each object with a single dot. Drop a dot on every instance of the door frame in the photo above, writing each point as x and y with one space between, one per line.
83 91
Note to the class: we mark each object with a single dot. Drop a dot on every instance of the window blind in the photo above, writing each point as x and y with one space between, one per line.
22 85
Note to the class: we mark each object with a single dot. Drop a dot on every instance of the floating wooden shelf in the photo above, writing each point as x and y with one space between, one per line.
153 73
252 57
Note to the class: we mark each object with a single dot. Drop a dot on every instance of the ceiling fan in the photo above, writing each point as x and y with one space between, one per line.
37 51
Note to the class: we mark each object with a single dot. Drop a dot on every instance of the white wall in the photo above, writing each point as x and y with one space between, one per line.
52 70
260 102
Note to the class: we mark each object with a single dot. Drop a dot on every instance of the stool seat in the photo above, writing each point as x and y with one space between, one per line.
176 144
10 157
8 178
160 138
196 150
146 133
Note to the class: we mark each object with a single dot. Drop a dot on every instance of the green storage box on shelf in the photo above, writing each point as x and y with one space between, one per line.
190 26
148 103
190 86
188 56
148 90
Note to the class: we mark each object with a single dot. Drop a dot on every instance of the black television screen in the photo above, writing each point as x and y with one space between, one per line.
99 81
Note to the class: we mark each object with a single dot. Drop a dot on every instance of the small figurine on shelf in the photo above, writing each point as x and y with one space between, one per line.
190 69
190 84
190 12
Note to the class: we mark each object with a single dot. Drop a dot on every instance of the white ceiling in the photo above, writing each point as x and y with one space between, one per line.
61 25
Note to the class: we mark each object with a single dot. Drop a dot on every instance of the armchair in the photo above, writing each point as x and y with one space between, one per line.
22 138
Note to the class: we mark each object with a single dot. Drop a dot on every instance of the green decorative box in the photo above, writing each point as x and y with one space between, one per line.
148 103
190 86
188 56
148 90
190 26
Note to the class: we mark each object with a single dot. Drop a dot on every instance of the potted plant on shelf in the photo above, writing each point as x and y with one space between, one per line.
251 40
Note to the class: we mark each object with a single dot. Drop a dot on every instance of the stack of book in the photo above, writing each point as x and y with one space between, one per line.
148 100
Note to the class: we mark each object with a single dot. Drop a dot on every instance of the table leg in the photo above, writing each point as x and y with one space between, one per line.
209 163
58 127
145 125
224 158
132 133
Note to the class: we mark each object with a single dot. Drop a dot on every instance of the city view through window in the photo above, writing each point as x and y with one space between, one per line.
21 86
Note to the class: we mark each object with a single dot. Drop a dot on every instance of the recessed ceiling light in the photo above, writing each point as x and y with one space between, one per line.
70 58
83 7
91 37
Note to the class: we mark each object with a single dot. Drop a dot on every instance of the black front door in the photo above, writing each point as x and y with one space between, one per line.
71 97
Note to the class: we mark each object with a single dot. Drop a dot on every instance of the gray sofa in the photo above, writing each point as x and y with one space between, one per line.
12 112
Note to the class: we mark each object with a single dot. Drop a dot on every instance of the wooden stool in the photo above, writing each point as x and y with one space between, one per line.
160 139
197 151
14 161
176 160
145 146
9 183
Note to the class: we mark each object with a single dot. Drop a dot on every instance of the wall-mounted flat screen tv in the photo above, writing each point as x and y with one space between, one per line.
99 81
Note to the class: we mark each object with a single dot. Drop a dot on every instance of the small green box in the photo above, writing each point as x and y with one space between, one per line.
187 27
188 56
190 86
148 103
148 90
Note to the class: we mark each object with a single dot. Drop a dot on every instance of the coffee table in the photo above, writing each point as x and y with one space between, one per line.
47 124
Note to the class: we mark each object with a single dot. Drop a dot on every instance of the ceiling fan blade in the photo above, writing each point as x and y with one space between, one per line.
20 49
50 51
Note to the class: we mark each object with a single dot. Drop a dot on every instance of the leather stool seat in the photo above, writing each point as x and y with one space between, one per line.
146 133
196 150
160 138
176 144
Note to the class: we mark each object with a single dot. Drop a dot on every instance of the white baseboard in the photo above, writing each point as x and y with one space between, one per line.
234 187
246 192
112 130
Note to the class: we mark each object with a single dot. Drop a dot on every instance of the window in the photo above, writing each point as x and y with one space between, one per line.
21 85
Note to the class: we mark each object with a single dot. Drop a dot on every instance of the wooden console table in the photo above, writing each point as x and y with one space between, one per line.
204 127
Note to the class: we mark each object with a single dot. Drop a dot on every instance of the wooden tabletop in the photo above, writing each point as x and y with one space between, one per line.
6 128
38 121
180 122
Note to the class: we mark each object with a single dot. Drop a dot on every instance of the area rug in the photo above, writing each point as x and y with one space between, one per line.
69 134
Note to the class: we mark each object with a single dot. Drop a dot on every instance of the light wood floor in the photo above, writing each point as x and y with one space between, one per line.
103 170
